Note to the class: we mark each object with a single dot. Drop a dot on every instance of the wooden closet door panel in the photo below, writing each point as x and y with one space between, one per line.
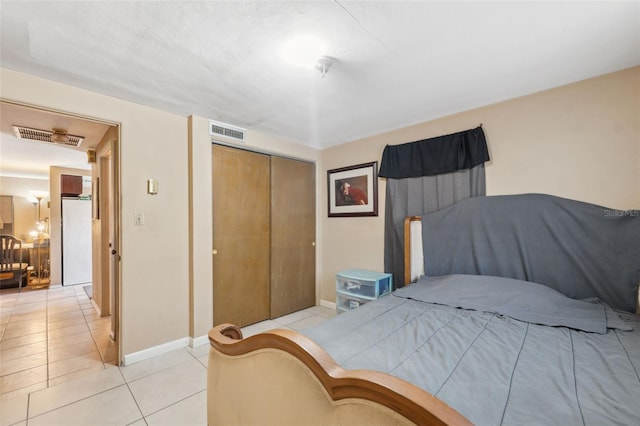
241 236
293 229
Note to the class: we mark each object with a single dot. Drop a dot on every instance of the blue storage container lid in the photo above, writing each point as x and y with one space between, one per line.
361 274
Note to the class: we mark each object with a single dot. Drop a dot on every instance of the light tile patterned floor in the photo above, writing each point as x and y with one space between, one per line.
48 337
55 366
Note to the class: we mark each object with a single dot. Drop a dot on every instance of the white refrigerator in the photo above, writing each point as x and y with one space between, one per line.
76 241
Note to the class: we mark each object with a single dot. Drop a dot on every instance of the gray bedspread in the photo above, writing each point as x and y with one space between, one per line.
492 368
579 249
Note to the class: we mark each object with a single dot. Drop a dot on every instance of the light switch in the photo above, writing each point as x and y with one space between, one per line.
152 186
138 218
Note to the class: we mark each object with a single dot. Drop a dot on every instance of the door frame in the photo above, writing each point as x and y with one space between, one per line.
109 215
116 209
109 247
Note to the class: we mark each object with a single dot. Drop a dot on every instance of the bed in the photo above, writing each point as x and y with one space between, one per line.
525 315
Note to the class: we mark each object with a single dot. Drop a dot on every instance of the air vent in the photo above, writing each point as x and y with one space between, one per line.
58 137
223 131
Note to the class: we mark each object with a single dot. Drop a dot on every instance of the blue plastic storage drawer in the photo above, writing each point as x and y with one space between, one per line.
363 284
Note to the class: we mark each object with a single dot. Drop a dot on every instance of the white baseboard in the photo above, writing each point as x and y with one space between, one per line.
194 342
327 304
155 351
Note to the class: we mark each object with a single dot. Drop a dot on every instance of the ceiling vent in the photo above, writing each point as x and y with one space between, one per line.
55 136
226 132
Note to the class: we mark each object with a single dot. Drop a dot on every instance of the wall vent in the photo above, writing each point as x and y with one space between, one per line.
46 136
226 132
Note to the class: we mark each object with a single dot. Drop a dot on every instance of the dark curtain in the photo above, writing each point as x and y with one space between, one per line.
434 156
426 176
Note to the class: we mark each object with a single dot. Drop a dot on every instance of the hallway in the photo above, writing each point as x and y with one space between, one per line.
48 337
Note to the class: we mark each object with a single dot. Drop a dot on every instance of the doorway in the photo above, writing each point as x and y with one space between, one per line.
102 138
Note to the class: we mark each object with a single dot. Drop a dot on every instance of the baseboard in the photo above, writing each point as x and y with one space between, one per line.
327 304
194 342
155 351
96 307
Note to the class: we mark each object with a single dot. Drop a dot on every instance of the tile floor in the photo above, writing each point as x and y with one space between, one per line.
56 366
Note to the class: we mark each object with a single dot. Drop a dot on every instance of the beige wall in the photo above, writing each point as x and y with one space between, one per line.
24 212
200 229
579 141
154 267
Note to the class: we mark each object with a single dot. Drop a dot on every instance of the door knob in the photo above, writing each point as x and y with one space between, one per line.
214 251
113 251
313 243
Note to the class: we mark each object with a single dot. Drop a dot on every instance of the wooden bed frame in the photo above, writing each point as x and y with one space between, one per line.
281 377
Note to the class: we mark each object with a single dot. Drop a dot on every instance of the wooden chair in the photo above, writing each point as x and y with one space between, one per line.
12 269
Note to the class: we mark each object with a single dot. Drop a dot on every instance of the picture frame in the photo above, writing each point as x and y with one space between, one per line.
95 198
353 191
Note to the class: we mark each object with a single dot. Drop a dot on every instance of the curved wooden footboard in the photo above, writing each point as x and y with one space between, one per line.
281 377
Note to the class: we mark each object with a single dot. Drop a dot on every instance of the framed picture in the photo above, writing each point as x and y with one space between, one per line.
95 198
353 190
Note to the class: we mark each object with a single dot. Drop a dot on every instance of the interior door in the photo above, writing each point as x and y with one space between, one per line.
241 236
293 229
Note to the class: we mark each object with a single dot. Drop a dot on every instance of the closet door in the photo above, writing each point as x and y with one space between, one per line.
293 229
241 240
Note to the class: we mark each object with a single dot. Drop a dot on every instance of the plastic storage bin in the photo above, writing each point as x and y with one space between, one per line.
355 287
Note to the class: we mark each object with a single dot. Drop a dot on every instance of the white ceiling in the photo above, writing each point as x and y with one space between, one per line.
397 63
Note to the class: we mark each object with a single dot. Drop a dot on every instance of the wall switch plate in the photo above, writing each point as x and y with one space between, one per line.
138 218
152 186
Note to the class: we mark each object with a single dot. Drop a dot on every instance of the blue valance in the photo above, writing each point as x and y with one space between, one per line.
434 156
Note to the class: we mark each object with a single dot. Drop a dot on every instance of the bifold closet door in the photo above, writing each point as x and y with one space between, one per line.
241 236
293 230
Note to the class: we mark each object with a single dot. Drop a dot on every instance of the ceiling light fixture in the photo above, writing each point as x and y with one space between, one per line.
59 136
309 52
323 64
